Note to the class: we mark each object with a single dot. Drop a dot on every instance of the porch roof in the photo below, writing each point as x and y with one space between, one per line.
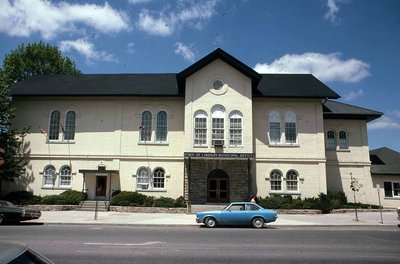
98 171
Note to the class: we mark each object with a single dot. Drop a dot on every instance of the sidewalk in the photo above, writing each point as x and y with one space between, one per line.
165 219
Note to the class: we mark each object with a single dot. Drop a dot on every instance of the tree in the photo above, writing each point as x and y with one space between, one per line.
20 64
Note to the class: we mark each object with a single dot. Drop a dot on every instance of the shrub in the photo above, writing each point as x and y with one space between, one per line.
150 200
164 202
179 202
50 199
125 198
19 198
115 192
72 197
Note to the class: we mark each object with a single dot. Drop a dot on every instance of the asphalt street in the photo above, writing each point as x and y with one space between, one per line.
196 244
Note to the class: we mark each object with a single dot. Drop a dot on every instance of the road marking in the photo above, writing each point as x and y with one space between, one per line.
123 244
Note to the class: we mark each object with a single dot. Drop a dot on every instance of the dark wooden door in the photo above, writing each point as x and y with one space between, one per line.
101 185
218 190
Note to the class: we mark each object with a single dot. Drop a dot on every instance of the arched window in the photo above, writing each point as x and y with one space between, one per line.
330 140
65 176
145 128
217 125
69 130
49 176
159 178
162 126
200 128
54 126
276 180
143 178
235 129
343 142
274 127
290 128
292 181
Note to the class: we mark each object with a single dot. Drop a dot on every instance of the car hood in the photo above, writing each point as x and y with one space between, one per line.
209 212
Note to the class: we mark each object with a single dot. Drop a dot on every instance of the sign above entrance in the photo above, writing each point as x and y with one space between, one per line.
219 155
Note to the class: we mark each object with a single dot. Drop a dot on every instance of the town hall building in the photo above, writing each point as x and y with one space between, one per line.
215 132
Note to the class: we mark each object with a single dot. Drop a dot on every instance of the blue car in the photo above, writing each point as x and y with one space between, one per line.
238 213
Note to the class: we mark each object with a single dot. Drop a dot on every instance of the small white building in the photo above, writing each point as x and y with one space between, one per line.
216 132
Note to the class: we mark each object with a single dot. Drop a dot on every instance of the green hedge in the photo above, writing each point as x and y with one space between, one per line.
125 198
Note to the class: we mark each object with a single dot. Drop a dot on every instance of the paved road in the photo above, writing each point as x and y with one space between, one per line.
141 244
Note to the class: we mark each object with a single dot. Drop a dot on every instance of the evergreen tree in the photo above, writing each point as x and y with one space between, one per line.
20 64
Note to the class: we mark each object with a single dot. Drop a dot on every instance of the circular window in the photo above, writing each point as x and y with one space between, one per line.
217 84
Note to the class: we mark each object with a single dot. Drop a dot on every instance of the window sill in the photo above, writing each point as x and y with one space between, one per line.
343 150
281 145
60 142
392 198
285 193
55 188
200 146
151 190
153 143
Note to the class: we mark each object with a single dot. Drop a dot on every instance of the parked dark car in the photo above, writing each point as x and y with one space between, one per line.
14 214
238 213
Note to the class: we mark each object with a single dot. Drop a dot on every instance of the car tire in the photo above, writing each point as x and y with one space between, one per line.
2 220
210 222
257 222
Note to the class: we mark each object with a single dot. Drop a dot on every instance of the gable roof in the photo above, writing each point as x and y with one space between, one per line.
385 161
338 110
224 56
98 85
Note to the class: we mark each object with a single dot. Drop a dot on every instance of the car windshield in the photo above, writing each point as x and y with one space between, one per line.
5 203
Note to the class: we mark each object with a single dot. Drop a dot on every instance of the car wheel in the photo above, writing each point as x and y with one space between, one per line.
2 219
257 222
210 222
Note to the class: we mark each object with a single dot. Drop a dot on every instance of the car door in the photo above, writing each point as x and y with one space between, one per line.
234 215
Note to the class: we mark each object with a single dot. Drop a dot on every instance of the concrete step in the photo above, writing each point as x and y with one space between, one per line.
206 207
91 206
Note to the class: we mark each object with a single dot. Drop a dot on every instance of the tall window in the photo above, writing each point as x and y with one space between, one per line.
143 178
292 181
330 140
54 126
235 129
343 143
200 129
145 133
274 127
276 180
162 126
159 178
217 124
65 176
69 129
290 127
392 189
49 176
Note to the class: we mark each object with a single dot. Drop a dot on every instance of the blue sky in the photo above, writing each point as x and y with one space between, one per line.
353 46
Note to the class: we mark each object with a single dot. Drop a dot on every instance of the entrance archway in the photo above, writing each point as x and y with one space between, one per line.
218 187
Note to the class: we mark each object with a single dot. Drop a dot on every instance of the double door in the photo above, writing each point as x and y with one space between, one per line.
218 190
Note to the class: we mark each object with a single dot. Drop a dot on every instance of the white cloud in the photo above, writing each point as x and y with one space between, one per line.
86 49
185 51
187 14
385 122
130 47
326 67
333 9
353 95
135 2
22 18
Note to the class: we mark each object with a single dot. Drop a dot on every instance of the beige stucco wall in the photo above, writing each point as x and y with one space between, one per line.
235 96
390 202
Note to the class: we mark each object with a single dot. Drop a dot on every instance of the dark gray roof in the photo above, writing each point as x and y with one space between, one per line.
337 110
294 86
98 85
385 161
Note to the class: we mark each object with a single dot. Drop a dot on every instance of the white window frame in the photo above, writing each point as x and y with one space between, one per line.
49 175
200 129
217 124
146 130
143 177
343 141
290 120
65 177
274 125
162 127
393 189
330 141
276 180
291 181
158 180
236 129
54 126
69 126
